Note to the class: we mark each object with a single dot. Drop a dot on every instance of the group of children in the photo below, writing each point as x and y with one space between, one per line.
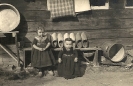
43 59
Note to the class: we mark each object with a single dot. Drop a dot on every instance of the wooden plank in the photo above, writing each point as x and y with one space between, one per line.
22 5
39 15
98 42
9 52
125 41
19 4
42 15
59 49
81 25
91 34
116 4
10 32
11 47
107 23
37 5
107 14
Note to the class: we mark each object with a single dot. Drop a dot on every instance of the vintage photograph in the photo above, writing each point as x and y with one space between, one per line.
66 42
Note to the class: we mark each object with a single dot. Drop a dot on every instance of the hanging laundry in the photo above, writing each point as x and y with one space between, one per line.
82 5
61 8
48 5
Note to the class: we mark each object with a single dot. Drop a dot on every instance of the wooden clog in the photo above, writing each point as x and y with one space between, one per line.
72 36
78 40
60 40
85 41
54 40
66 35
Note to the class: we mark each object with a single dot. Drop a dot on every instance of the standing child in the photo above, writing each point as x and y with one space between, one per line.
41 57
68 66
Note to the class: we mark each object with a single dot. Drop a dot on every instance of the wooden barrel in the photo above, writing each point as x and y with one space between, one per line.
113 51
9 17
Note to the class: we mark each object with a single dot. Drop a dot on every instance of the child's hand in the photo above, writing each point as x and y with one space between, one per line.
43 49
40 49
59 60
76 59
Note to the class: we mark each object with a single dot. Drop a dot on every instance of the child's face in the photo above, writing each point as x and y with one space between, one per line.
68 44
40 32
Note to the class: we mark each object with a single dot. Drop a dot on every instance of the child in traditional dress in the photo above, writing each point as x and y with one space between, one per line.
68 66
41 57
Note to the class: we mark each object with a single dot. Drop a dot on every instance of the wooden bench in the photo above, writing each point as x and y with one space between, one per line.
95 60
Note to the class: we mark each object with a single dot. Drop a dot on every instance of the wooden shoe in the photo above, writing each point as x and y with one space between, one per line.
60 40
78 40
54 40
72 36
85 42
66 35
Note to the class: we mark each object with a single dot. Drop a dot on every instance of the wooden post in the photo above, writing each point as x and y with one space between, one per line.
16 42
95 60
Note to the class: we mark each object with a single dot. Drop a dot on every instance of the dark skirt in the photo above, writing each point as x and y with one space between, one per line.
68 68
42 58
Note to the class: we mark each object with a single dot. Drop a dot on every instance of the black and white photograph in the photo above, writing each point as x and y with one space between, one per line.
66 42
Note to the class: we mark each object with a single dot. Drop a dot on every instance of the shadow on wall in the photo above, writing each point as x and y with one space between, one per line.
85 13
72 18
30 0
23 29
66 18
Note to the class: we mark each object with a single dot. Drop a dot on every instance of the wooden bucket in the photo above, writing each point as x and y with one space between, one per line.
113 51
9 17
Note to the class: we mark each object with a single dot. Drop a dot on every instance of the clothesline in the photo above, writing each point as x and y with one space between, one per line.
60 8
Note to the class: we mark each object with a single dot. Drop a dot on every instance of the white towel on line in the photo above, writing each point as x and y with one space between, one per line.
48 5
82 5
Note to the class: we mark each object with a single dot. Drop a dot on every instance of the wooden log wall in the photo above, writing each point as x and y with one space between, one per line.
114 24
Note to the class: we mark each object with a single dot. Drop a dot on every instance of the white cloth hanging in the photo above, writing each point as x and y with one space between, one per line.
82 5
48 5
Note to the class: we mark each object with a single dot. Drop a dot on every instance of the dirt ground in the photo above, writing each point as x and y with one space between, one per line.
92 76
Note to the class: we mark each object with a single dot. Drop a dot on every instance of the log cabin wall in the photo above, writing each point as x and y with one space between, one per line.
114 24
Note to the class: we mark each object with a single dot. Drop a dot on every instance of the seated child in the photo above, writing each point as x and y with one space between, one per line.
68 66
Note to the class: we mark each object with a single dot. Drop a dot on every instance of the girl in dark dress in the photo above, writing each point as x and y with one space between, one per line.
68 66
41 56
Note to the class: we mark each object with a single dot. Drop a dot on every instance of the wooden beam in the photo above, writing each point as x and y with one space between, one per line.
59 49
9 52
